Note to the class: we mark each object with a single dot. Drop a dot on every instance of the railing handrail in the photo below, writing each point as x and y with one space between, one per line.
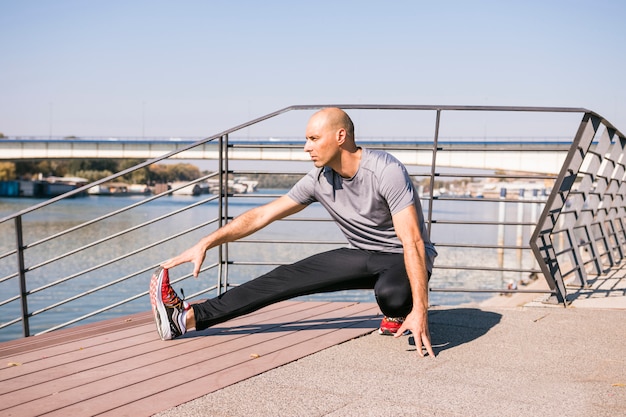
563 180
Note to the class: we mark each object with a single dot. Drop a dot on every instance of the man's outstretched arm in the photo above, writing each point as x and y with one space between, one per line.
406 225
241 226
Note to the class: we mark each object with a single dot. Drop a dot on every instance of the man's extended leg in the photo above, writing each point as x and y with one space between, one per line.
341 269
328 271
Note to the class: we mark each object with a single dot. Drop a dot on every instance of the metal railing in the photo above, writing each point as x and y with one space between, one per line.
582 227
493 239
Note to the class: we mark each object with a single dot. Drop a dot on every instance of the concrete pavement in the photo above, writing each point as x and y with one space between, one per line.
507 357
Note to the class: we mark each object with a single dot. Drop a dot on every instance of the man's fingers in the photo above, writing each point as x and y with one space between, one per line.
400 331
167 264
420 340
428 347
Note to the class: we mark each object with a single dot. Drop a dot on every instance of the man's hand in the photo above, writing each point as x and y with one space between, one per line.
417 323
195 255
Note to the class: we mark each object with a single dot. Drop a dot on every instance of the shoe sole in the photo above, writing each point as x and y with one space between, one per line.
390 333
158 308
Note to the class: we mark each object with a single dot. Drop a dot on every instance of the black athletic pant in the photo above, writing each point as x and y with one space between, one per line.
335 270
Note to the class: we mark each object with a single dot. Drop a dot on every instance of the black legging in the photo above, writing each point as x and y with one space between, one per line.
335 270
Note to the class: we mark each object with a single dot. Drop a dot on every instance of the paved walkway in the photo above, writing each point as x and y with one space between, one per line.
508 357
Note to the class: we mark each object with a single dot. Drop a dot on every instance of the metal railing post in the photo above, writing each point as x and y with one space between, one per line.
433 171
22 275
225 260
220 214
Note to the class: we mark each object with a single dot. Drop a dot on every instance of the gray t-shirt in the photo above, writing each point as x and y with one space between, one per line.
363 205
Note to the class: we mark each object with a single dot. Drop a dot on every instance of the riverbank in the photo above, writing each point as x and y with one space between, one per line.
54 186
42 188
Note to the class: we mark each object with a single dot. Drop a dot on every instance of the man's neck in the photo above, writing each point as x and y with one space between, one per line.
349 163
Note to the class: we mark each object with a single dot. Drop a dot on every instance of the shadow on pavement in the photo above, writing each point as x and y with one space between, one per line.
457 326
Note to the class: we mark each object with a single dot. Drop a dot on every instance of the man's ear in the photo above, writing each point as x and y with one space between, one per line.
341 136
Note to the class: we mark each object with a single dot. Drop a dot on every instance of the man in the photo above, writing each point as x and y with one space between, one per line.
372 199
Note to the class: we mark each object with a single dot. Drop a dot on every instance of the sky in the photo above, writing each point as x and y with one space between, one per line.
195 68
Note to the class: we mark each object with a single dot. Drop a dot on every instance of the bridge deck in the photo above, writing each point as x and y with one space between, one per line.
120 367
513 155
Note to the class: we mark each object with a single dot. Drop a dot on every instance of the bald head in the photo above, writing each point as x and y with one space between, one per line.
330 141
335 119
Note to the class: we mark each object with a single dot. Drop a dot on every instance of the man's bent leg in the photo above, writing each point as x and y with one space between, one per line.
393 291
393 288
327 271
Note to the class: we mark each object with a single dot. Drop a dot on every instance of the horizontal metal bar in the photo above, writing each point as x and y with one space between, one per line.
126 255
477 246
438 266
116 235
114 213
487 290
466 174
9 253
10 322
481 223
487 200
485 268
8 277
109 307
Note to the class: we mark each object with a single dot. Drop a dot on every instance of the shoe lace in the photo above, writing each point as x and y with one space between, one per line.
398 320
172 298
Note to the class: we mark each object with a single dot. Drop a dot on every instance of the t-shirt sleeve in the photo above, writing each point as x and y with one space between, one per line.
303 192
396 187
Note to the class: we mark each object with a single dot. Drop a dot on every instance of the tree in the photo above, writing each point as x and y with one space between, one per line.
140 176
76 165
7 171
183 172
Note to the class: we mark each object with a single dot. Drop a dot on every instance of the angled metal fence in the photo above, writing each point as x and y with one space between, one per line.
581 229
58 269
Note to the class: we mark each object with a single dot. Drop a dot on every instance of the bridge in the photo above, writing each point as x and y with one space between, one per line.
524 155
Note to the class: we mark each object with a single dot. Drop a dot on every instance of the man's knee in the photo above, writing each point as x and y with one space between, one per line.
394 301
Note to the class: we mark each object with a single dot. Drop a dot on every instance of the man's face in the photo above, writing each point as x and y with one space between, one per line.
321 141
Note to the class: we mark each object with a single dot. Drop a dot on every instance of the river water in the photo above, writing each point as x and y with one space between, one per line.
72 212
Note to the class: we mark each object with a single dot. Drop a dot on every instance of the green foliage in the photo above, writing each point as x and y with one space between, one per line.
30 169
7 171
76 165
92 175
95 169
162 173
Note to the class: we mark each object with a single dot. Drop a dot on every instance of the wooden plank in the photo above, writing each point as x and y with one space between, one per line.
123 375
82 371
144 373
83 332
74 350
189 381
125 347
60 337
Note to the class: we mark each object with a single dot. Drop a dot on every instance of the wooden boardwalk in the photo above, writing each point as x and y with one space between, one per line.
120 367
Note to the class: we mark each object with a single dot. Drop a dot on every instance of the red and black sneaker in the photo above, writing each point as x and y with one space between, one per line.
167 306
389 326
